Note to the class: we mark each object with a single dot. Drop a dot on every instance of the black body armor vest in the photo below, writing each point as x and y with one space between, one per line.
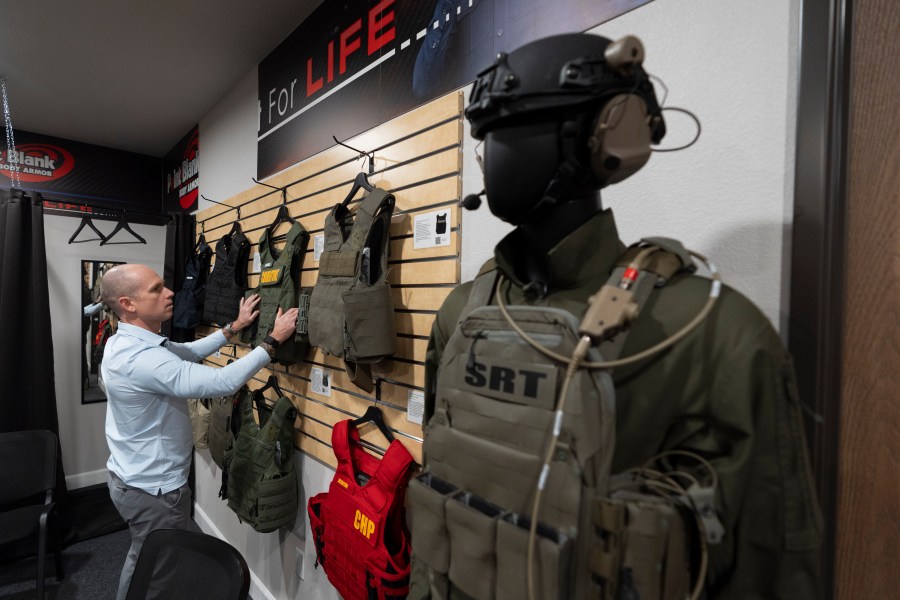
228 280
190 298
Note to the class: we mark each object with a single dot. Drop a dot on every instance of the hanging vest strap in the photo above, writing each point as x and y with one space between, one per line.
282 413
360 375
482 290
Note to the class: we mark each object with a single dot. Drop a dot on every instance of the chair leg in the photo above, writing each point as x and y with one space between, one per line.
59 564
42 549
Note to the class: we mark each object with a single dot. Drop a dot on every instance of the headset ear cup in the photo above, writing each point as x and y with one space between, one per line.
620 143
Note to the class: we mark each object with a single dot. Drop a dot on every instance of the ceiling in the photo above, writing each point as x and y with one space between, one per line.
132 75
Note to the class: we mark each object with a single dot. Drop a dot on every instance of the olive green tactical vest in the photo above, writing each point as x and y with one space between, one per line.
482 455
279 286
352 312
259 473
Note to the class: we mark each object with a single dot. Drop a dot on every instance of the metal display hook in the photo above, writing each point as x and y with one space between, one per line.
283 190
237 208
369 155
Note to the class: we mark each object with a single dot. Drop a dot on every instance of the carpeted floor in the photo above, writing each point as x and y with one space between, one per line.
95 540
92 569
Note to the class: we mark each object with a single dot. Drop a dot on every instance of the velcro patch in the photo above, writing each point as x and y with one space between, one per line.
270 276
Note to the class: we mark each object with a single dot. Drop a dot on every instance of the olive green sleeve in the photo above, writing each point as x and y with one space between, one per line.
766 496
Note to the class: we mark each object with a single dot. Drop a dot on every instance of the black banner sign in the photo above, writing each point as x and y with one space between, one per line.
83 172
182 178
356 63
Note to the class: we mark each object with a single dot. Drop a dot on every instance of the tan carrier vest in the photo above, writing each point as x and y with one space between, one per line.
483 452
351 309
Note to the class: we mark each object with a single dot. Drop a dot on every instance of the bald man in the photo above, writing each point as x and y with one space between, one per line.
148 380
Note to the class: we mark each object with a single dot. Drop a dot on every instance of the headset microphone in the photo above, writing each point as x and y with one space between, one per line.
472 201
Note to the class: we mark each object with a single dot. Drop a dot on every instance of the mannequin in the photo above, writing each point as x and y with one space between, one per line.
561 118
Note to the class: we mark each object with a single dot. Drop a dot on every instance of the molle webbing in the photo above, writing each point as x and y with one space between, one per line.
341 263
359 530
261 481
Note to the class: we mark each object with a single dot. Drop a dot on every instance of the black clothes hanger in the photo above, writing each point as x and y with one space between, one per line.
271 384
85 220
235 229
361 181
122 224
283 216
373 415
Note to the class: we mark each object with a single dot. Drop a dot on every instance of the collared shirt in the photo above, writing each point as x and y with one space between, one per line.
148 380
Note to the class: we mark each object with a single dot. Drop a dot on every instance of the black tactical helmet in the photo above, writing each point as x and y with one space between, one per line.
557 72
560 118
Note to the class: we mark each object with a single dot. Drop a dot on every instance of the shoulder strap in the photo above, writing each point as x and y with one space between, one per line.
295 235
482 291
669 258
365 214
282 413
394 466
340 441
263 245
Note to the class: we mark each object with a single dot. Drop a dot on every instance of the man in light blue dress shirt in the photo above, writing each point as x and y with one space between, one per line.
148 380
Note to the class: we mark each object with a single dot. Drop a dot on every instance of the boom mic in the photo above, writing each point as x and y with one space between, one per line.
472 201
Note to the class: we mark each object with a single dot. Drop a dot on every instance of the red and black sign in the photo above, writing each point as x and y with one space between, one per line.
82 172
357 63
37 162
182 177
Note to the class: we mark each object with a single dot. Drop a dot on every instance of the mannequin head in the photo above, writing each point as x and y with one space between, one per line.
561 118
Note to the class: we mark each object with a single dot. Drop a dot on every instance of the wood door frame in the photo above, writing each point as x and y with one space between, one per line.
818 241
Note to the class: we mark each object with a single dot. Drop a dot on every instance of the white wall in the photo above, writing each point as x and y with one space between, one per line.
731 62
730 196
227 157
81 426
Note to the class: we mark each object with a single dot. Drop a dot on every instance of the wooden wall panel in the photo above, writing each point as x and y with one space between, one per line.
417 158
868 487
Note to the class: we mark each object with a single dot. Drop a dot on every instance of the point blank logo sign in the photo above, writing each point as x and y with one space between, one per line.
37 163
182 175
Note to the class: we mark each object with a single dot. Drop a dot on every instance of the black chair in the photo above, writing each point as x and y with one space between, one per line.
175 564
27 480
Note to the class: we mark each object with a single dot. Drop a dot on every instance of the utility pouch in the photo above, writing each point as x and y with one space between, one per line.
427 496
276 504
369 319
552 566
472 526
643 550
302 335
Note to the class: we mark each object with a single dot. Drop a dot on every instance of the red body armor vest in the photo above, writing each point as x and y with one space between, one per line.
360 530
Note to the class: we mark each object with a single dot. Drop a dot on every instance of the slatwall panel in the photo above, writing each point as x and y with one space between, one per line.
418 158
